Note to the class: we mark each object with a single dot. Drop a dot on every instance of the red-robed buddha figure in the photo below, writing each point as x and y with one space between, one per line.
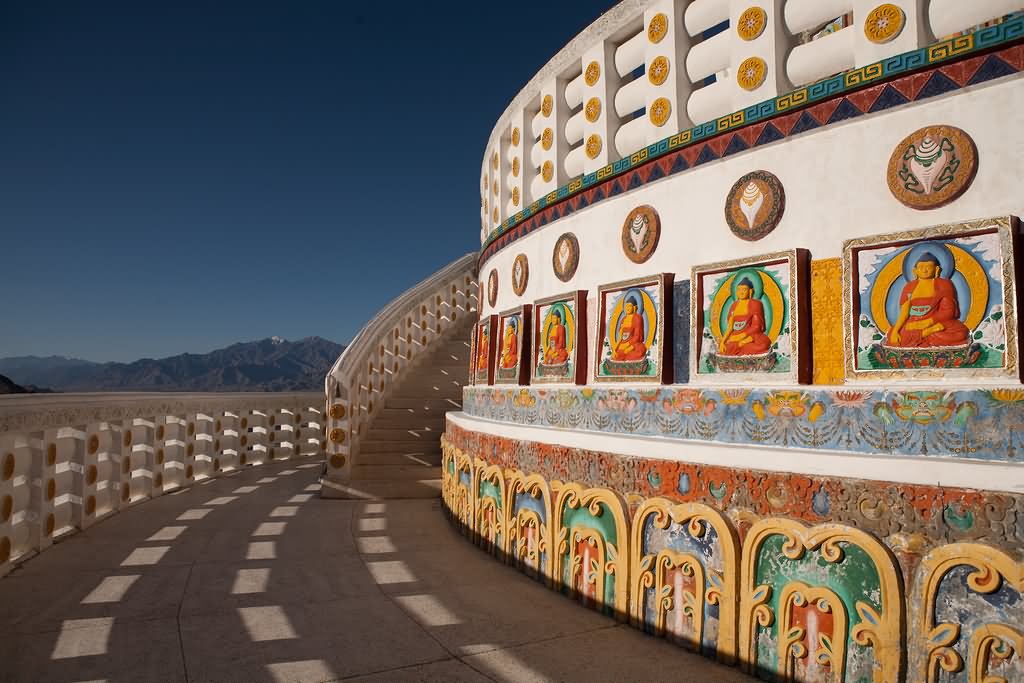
929 310
510 346
483 350
556 353
630 345
744 329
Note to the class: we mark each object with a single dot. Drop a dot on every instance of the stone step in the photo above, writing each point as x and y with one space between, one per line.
400 447
422 422
411 471
424 402
377 433
410 459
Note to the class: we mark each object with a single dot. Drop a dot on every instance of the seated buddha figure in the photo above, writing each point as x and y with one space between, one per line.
510 346
482 351
555 353
744 329
630 345
929 310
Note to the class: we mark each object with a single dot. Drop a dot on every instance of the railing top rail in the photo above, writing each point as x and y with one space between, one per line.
605 26
364 342
32 412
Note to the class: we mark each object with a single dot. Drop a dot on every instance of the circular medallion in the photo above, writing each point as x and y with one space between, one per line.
515 167
884 23
495 214
932 166
658 27
485 183
520 274
593 146
657 73
640 233
592 73
494 161
515 196
593 109
492 287
751 73
754 205
547 171
566 256
547 138
494 187
660 110
751 23
546 105
515 137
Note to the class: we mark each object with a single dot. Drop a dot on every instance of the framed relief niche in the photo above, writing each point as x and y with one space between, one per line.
560 339
512 346
634 341
750 319
939 302
483 350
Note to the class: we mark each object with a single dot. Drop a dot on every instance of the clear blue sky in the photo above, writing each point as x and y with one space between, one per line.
178 176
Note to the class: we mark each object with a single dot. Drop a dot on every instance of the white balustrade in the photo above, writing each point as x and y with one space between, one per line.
385 350
951 16
704 14
68 461
667 39
828 55
805 15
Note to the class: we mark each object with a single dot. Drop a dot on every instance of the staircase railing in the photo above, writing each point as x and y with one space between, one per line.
383 352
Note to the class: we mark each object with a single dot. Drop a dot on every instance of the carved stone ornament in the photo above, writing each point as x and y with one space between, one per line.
754 205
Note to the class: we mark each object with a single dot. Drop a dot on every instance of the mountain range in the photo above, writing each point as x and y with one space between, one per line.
272 364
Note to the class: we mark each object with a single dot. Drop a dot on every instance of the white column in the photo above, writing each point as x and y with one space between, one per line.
600 83
912 35
750 47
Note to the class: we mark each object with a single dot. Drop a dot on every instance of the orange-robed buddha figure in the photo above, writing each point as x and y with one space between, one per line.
744 329
556 353
510 346
631 344
481 354
929 310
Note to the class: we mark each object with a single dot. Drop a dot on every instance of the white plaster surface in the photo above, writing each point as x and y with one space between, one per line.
834 180
971 474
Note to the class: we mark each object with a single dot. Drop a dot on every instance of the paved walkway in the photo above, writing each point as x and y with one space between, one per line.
253 577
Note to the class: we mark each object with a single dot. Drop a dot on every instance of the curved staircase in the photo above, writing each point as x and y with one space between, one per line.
400 455
388 392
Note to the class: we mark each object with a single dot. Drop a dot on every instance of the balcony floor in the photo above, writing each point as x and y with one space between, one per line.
253 577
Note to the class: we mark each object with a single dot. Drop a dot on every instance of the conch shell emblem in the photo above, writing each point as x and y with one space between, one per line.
517 273
927 162
751 202
563 255
638 231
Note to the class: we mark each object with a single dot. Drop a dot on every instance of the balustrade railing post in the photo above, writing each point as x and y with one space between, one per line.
600 122
759 45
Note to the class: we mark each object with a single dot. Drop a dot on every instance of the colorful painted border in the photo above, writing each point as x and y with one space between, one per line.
954 64
927 422
749 539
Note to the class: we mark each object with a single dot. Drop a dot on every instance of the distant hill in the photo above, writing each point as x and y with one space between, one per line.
272 364
9 387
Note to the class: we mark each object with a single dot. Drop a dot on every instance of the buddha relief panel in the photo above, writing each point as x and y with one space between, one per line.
933 302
